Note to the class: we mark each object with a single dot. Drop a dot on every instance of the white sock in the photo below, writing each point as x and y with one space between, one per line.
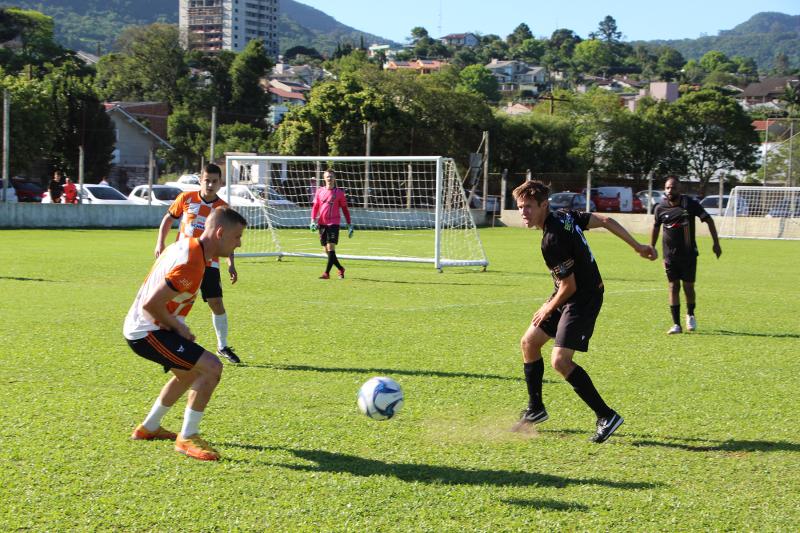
153 420
191 421
221 328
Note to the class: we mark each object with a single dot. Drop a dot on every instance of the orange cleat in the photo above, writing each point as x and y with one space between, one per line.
142 433
195 447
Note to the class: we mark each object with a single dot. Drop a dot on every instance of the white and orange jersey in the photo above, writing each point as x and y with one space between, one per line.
181 265
193 211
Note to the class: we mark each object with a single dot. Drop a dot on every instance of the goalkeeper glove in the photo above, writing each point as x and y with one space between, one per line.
350 229
313 225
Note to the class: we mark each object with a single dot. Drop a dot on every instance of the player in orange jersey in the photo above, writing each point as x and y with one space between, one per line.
192 208
155 329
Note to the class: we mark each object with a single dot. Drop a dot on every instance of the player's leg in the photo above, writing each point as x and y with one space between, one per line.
204 377
575 329
323 240
688 289
173 353
533 368
673 270
211 291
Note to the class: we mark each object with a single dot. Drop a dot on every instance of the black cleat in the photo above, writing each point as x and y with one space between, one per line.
228 353
529 417
606 426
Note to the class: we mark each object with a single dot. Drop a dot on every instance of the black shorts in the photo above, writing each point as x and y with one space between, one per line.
168 349
572 324
328 234
681 268
212 284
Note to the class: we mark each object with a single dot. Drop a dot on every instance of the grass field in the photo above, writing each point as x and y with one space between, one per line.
710 440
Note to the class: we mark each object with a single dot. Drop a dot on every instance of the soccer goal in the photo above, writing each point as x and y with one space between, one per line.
408 209
762 213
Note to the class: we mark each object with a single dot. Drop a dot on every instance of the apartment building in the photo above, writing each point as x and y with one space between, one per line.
214 25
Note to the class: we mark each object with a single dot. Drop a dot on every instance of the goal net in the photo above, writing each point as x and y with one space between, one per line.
762 213
411 209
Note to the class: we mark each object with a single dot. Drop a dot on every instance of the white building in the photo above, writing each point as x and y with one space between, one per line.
214 25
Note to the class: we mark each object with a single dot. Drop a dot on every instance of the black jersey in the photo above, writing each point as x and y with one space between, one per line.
678 222
566 252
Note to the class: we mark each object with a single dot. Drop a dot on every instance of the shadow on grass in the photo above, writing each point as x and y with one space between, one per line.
445 283
693 444
12 278
703 445
553 505
724 332
446 475
382 371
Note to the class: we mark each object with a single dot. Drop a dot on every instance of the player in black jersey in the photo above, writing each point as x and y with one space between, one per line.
570 312
676 213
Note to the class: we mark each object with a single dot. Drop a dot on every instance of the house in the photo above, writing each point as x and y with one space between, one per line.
421 66
306 74
469 40
385 50
141 128
282 99
518 76
516 109
768 90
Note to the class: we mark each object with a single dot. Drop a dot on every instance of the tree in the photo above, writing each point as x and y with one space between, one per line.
716 61
715 134
791 97
607 30
669 65
520 34
540 143
477 79
529 50
417 33
592 56
249 101
189 134
781 67
37 46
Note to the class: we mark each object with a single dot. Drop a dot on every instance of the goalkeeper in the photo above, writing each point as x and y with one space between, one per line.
325 218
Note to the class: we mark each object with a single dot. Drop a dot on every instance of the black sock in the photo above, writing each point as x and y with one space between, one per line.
676 313
332 259
533 379
690 309
584 388
330 263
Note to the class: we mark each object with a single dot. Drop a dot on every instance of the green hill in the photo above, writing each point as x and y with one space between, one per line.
94 25
761 37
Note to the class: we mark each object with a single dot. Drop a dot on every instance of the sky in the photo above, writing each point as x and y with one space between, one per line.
643 20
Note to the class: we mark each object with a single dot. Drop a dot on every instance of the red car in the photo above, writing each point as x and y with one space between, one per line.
27 191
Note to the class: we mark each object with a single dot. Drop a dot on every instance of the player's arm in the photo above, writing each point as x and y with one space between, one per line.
156 307
346 213
163 231
566 288
601 221
712 229
232 269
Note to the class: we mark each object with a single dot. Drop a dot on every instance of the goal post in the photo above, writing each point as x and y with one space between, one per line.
759 212
406 209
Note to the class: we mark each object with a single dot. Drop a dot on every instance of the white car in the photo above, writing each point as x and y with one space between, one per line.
711 204
11 197
658 197
189 179
257 194
162 195
94 194
183 186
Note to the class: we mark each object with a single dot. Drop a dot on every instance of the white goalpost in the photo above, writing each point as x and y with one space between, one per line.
758 212
408 209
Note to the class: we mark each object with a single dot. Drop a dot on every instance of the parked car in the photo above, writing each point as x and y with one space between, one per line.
615 199
27 191
162 194
476 202
96 195
569 200
657 197
784 209
711 204
10 196
189 179
183 186
257 194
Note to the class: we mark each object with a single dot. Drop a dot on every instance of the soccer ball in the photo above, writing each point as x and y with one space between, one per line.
380 398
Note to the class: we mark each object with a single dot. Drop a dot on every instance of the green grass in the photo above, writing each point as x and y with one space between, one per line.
710 440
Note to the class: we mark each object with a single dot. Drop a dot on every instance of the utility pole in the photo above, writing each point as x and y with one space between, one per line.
213 132
485 169
368 133
81 160
6 142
